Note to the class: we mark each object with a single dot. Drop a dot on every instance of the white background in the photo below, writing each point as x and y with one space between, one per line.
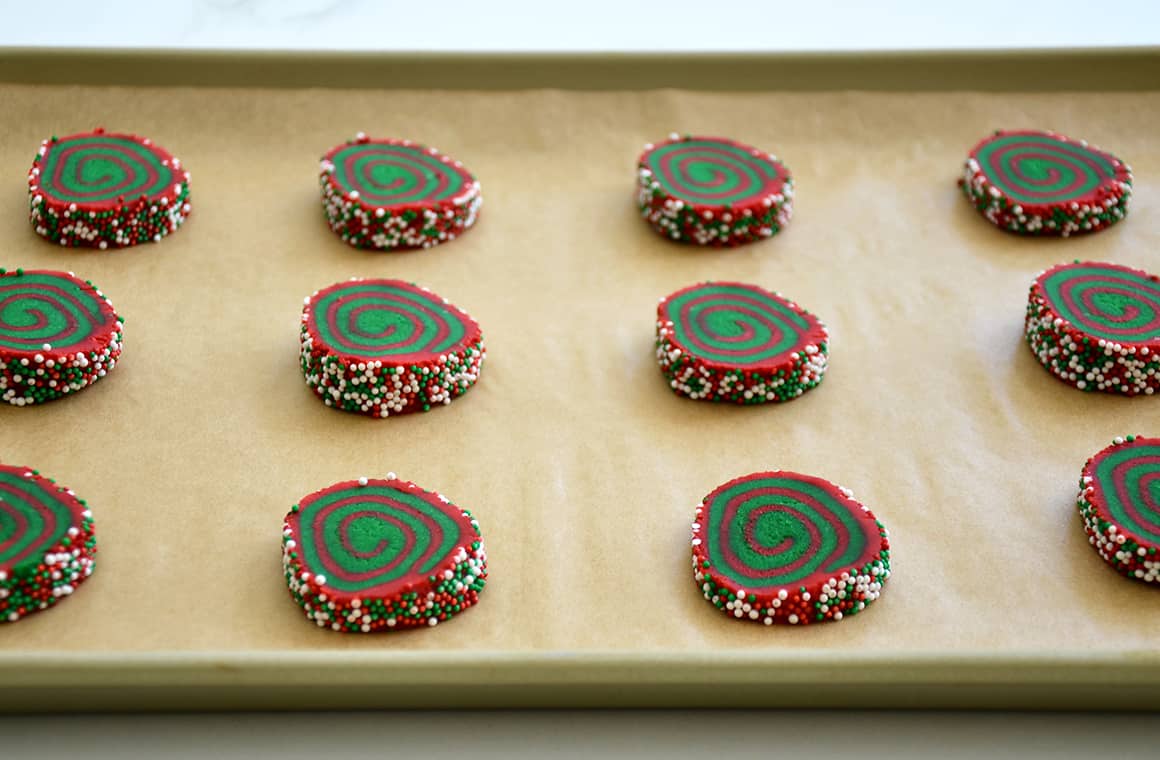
593 25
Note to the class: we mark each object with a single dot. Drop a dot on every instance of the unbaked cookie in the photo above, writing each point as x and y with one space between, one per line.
713 191
383 347
392 194
780 547
1041 183
729 341
102 189
374 555
1096 326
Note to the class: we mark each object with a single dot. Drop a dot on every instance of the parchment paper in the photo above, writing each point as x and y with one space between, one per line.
581 466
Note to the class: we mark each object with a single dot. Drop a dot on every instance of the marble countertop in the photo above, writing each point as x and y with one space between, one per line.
595 25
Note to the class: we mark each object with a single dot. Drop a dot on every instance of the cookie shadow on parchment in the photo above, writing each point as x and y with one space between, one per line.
68 614
651 245
264 614
307 227
311 412
1015 253
648 393
720 632
65 257
1102 593
1069 410
97 400
368 262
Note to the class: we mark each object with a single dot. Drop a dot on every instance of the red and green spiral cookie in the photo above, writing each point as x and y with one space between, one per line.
729 341
58 335
46 542
395 194
1041 183
713 191
99 189
383 347
1097 326
781 547
373 555
1119 501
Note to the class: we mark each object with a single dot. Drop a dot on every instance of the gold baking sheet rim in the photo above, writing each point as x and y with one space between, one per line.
486 680
582 468
1038 70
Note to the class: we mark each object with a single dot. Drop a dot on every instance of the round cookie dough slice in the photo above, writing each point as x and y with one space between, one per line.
378 555
383 347
1040 183
713 191
1119 501
46 543
58 335
101 189
392 194
780 547
730 341
1096 326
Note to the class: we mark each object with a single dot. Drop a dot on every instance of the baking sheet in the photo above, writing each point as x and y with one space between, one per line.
1101 69
581 466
